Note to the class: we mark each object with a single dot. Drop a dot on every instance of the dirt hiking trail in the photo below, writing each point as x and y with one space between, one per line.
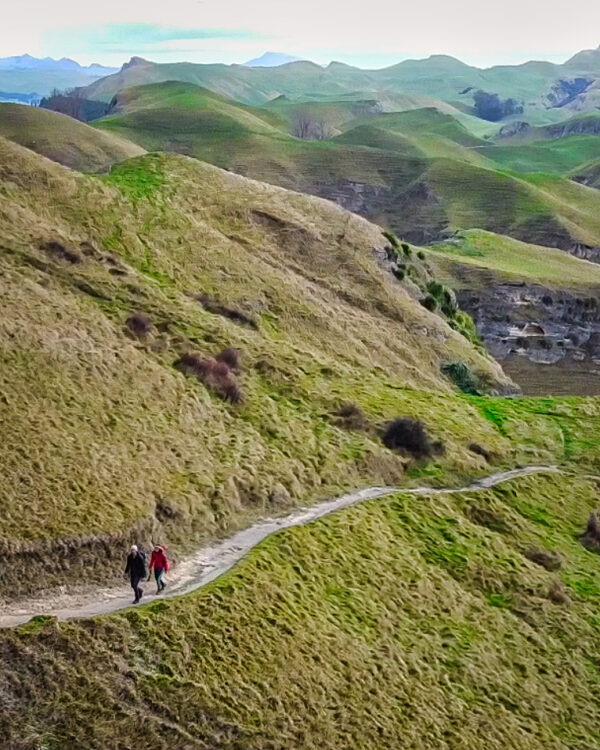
211 561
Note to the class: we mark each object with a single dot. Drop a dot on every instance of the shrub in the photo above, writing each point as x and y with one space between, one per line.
591 536
392 239
421 255
139 324
435 289
409 435
546 559
462 377
406 249
215 375
351 417
231 357
399 273
463 323
448 302
429 303
557 593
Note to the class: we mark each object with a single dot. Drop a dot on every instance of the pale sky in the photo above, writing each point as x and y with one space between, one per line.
373 33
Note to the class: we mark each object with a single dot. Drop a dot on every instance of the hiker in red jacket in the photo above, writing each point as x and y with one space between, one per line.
158 561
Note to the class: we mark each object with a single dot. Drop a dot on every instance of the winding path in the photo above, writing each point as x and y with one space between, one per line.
212 561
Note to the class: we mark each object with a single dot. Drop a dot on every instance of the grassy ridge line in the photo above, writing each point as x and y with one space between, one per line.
393 624
518 260
64 139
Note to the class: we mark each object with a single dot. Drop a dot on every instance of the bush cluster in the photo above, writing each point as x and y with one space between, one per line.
409 435
214 373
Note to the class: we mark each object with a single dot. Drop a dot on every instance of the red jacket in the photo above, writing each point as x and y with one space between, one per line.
158 560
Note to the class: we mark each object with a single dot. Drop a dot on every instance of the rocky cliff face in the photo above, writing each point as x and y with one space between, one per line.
540 324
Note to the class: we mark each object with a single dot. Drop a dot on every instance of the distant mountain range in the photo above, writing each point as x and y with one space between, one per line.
271 60
27 62
27 75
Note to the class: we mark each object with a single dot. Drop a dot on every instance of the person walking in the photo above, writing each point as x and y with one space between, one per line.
160 564
136 569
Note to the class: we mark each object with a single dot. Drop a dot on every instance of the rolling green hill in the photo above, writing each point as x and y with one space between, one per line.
549 92
421 172
63 139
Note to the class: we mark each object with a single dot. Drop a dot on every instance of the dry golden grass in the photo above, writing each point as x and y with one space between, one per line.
101 427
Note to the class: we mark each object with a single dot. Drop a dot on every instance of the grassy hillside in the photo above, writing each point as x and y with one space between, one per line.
402 623
510 258
434 621
420 171
287 279
64 139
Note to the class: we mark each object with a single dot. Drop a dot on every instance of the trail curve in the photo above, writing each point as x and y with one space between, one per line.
211 561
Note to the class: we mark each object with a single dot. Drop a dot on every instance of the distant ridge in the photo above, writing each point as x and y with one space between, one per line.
28 62
271 60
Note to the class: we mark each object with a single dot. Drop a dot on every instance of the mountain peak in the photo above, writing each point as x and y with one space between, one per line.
135 60
271 60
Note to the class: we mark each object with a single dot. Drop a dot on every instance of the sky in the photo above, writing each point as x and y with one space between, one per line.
368 34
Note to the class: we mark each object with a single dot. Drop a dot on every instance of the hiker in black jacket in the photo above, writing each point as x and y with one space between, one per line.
136 569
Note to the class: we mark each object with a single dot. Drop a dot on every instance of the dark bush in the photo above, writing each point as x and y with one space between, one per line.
546 559
462 377
351 417
231 357
421 255
435 289
409 435
479 450
392 239
139 324
57 250
215 375
429 303
399 273
237 316
557 593
591 537
391 253
406 249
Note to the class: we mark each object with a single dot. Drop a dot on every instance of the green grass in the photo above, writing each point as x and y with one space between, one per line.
407 622
511 258
555 156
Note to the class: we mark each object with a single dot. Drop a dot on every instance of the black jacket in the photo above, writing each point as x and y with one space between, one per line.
136 565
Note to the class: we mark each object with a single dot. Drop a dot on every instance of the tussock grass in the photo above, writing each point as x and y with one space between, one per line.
399 623
100 430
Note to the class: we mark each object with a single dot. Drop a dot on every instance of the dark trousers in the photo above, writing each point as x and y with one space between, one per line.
135 585
158 576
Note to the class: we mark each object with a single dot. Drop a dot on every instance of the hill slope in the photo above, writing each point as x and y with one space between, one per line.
64 139
213 261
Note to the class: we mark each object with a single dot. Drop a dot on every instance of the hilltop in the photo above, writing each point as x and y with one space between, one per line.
64 139
423 172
